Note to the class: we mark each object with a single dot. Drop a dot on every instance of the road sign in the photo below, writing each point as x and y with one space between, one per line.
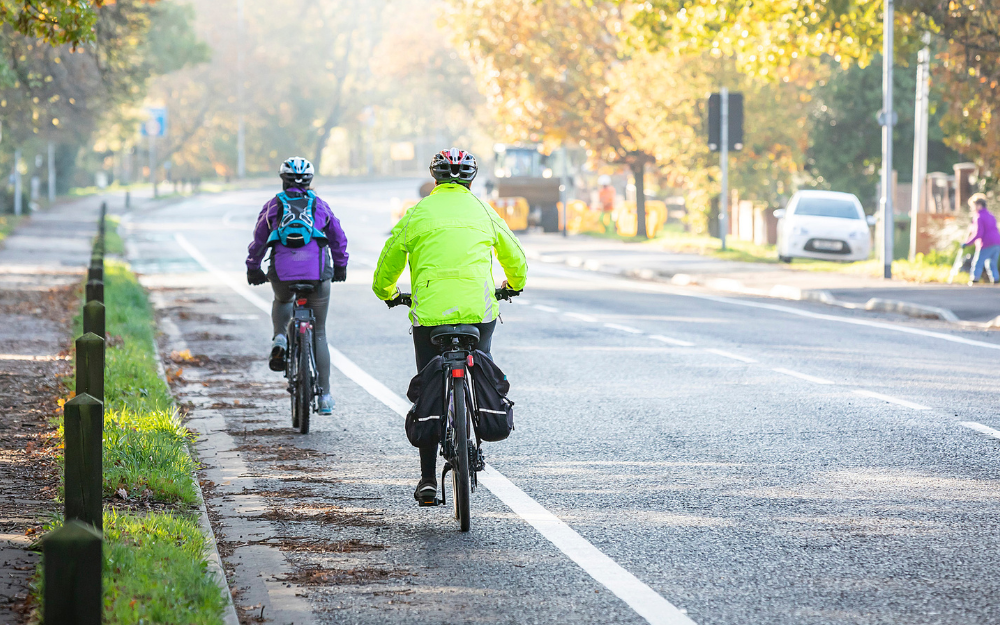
735 122
156 125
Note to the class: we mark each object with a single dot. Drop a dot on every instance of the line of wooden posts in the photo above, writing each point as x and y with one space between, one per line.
72 553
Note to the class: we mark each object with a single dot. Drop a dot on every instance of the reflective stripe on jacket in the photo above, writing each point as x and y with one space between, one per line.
449 238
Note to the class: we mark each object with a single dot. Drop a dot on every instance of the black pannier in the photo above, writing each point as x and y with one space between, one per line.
425 420
494 418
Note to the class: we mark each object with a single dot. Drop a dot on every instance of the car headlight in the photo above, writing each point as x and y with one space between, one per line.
799 230
858 234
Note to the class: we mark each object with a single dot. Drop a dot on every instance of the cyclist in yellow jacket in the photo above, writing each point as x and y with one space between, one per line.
449 239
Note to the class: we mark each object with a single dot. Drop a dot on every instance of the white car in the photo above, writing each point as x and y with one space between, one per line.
823 224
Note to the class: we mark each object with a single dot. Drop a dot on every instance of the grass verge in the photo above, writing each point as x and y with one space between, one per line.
155 570
7 225
934 267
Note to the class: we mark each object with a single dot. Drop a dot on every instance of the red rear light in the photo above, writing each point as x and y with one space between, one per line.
458 373
301 302
469 360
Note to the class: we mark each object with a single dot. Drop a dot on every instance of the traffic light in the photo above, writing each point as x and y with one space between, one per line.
735 122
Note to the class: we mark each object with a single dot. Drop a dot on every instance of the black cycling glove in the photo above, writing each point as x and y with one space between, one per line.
256 276
339 273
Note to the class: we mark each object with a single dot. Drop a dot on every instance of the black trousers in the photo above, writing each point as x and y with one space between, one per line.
425 352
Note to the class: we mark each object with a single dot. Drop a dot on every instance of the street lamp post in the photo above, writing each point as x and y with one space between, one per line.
887 120
724 163
241 156
920 118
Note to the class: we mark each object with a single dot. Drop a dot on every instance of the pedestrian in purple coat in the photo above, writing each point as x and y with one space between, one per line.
987 239
316 259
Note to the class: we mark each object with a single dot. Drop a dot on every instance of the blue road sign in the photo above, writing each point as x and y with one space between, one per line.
156 125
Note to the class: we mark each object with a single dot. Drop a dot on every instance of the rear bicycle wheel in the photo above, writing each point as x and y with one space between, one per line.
292 373
304 388
460 473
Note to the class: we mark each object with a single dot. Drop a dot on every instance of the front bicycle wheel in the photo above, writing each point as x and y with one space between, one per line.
303 390
460 473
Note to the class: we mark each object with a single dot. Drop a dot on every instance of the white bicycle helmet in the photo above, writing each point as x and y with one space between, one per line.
296 172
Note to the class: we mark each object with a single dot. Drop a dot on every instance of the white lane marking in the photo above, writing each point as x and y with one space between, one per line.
645 286
670 341
644 600
582 317
725 354
982 429
890 399
615 326
545 308
640 597
803 376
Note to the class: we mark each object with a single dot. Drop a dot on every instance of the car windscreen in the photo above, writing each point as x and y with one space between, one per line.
827 207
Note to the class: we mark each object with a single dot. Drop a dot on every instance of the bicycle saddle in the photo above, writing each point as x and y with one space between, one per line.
442 332
302 288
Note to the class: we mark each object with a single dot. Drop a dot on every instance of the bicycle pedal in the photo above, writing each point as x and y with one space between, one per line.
429 503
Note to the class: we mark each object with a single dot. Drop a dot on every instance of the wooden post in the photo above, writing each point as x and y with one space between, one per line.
72 570
93 318
96 269
83 425
95 291
90 366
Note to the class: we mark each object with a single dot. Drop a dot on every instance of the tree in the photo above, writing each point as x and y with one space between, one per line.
547 71
53 22
64 93
842 153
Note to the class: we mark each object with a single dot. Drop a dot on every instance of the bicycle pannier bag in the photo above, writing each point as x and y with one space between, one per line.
425 420
494 418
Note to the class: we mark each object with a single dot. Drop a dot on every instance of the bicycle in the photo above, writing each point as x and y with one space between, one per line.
463 456
300 360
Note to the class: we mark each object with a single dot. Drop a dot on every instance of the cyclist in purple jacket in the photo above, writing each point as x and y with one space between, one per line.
307 245
987 239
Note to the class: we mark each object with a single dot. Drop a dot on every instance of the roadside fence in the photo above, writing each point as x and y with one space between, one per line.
73 553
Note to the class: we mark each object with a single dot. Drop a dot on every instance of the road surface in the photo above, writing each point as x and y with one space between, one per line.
678 456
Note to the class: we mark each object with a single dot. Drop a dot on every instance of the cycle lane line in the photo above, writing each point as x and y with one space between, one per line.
642 599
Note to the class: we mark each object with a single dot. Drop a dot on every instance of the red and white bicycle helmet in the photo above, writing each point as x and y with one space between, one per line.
454 165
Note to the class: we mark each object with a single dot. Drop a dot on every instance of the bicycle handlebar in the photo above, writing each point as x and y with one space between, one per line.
506 294
405 299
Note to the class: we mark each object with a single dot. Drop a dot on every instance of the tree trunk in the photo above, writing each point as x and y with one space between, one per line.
638 172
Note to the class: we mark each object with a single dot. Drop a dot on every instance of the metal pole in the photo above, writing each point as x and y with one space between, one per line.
564 190
888 223
724 164
920 120
52 172
17 182
152 163
241 156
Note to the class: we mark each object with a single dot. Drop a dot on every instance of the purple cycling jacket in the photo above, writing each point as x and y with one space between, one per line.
985 225
302 263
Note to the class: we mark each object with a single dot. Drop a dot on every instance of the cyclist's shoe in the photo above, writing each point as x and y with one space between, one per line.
326 405
426 493
278 347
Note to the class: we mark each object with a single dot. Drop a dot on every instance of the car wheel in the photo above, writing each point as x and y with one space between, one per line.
785 259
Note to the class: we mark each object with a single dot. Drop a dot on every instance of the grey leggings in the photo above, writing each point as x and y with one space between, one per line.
319 302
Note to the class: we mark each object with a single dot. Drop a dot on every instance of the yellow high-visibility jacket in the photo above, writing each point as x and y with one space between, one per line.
449 237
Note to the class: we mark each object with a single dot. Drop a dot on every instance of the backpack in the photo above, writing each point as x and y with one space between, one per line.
494 416
296 221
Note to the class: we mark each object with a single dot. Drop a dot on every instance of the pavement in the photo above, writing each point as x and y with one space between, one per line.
974 306
681 454
41 263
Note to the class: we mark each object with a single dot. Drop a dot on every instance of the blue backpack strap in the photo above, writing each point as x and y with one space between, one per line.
273 238
317 234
